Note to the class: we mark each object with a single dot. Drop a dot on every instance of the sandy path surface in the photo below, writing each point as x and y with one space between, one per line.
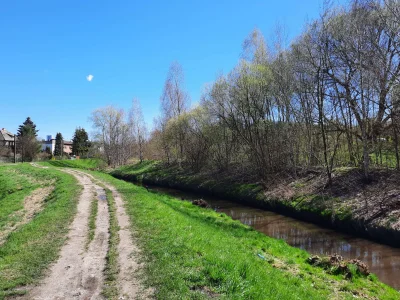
78 274
129 287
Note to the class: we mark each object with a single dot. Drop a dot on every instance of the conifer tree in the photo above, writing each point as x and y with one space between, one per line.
58 147
80 142
27 143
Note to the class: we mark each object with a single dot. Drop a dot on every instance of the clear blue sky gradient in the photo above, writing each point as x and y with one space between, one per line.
47 48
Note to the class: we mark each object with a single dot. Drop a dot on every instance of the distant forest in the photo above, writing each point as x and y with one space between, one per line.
330 99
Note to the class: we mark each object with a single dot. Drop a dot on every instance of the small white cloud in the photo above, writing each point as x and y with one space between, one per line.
89 77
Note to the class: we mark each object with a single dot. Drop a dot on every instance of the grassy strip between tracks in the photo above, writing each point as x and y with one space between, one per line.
31 248
110 290
194 253
94 205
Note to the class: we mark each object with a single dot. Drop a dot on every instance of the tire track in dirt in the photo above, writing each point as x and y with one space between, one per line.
128 284
78 274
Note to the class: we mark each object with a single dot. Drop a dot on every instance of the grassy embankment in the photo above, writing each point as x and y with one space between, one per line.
194 253
29 249
85 164
304 197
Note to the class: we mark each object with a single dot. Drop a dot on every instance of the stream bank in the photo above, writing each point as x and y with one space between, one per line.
331 211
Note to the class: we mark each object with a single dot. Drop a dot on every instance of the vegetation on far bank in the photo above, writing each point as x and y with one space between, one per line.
29 249
199 254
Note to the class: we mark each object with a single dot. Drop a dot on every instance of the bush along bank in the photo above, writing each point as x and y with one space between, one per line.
344 210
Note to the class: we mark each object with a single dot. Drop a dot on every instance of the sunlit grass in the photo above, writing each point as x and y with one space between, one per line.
29 250
193 253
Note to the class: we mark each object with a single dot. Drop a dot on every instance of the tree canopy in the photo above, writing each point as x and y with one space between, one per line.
27 144
80 142
58 149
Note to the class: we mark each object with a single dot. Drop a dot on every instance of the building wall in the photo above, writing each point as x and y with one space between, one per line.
67 145
51 144
68 148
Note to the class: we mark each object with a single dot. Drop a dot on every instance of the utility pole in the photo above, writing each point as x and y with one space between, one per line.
15 149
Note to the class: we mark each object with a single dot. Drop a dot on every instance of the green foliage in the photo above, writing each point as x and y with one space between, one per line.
27 144
80 142
58 149
48 150
28 128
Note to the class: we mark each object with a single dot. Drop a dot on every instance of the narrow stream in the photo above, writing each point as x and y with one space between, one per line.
384 261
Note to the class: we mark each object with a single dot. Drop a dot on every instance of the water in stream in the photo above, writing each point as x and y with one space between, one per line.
382 260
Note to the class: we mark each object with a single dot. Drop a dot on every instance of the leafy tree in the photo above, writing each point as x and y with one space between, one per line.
27 143
58 148
80 142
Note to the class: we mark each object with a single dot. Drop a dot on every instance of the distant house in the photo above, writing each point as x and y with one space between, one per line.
51 144
67 147
48 143
6 138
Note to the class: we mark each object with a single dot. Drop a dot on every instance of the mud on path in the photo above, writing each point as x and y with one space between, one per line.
78 273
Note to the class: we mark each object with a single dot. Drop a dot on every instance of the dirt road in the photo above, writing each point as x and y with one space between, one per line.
78 273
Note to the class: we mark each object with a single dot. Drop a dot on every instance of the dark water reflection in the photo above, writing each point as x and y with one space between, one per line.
382 260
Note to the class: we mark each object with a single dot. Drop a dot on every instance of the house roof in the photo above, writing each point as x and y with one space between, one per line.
8 136
65 143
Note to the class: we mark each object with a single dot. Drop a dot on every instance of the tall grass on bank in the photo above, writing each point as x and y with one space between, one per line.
30 249
193 253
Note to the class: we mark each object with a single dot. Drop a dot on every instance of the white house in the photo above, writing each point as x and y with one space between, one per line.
51 143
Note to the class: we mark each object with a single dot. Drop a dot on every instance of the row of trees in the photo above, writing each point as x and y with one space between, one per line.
28 146
80 143
331 99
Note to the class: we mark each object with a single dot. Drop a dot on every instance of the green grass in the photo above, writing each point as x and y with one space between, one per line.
15 185
86 164
29 250
92 220
388 159
193 253
110 290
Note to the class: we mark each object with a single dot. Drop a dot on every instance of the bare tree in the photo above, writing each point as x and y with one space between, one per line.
175 101
138 127
114 134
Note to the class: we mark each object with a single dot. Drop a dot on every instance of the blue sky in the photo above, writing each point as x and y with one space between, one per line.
48 48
